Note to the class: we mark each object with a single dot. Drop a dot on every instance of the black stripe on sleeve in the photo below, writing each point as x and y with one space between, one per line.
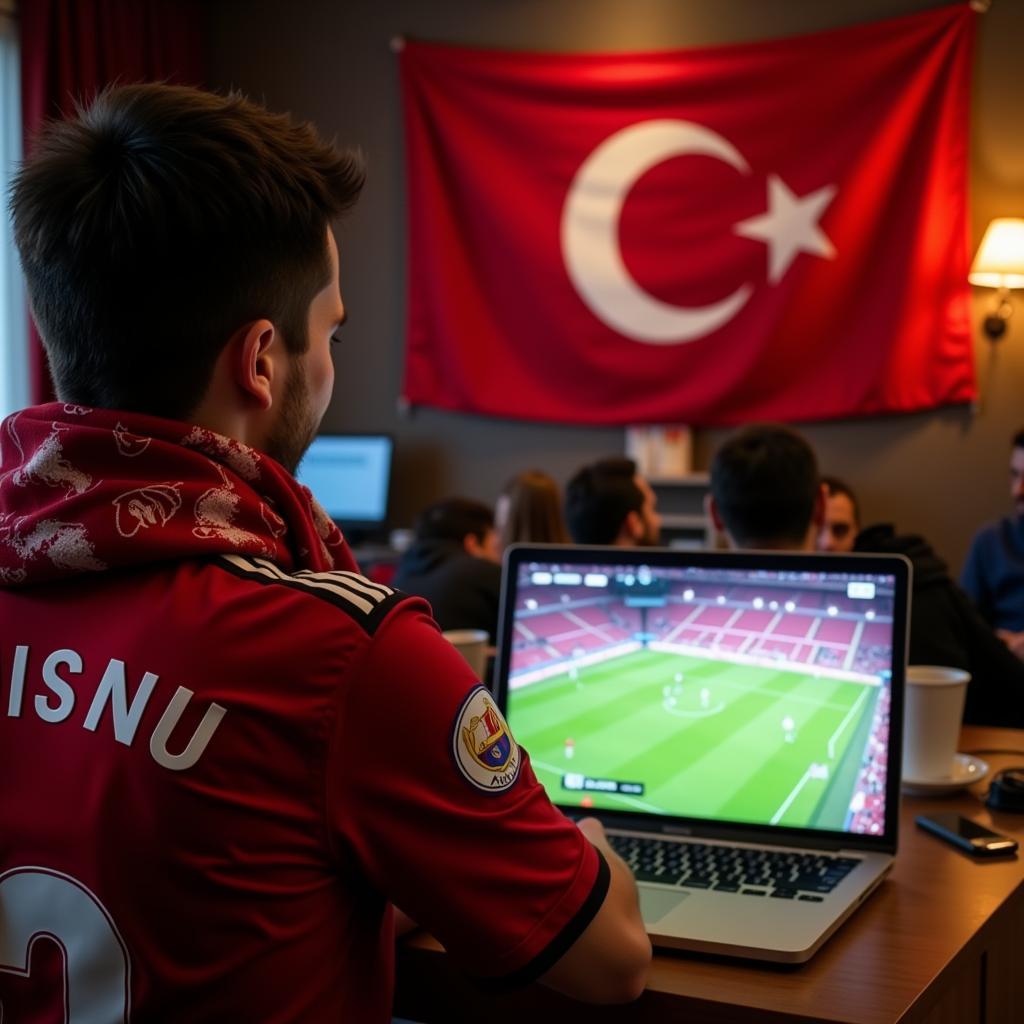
560 944
368 621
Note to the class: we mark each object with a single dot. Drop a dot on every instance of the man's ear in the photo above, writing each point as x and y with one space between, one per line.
818 513
253 352
711 511
472 545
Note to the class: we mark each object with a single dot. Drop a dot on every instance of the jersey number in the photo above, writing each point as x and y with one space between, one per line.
37 902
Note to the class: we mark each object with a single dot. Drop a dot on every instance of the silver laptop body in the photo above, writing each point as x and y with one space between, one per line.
734 719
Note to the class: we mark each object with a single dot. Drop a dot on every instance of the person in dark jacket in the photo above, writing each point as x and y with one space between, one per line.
946 629
766 493
454 563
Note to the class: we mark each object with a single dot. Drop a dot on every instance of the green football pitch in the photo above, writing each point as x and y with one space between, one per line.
705 738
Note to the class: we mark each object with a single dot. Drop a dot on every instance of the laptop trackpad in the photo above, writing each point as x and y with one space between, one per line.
656 904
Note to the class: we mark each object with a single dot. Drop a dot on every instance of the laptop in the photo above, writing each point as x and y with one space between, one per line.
733 718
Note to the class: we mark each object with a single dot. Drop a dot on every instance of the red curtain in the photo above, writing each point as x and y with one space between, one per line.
70 49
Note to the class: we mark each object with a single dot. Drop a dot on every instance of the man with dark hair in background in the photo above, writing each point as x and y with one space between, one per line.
765 493
224 752
455 564
993 574
609 502
842 517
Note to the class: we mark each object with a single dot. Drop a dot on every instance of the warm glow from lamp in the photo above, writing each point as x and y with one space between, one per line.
1000 264
1000 259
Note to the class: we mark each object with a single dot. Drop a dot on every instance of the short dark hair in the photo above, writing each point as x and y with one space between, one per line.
598 499
836 486
1018 439
156 222
454 519
764 480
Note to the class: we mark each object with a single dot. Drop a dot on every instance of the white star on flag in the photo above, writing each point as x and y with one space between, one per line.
790 226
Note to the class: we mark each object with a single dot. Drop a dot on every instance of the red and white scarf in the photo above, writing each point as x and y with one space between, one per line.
87 490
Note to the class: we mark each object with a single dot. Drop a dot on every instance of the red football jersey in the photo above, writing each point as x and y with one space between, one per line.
218 775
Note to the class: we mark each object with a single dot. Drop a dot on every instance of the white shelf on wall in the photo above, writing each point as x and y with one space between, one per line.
674 521
700 481
681 506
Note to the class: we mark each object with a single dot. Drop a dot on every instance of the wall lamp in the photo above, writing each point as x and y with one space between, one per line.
999 264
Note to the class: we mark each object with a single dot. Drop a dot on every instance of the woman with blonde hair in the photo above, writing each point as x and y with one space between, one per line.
529 510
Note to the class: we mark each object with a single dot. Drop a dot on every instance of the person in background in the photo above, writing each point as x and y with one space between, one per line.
842 517
529 511
609 502
993 574
225 754
455 564
766 493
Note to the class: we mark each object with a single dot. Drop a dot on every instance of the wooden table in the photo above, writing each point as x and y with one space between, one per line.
940 942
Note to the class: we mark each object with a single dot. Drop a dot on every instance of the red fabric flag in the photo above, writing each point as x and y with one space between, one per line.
765 231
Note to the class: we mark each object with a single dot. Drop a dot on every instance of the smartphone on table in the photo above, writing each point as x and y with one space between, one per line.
967 835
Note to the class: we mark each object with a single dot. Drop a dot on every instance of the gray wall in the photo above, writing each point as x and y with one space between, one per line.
329 61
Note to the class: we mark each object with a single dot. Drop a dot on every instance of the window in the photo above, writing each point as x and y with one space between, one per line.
14 389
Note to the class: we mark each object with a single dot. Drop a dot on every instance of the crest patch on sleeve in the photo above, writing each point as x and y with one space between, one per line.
483 747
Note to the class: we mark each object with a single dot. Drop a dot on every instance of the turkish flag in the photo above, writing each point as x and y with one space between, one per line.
765 231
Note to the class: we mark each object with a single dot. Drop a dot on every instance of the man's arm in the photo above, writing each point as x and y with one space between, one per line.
974 578
511 887
608 962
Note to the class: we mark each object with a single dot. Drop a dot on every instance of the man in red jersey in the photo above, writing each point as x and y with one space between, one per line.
224 753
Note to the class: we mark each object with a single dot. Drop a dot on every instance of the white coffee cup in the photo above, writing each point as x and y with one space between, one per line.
932 712
472 645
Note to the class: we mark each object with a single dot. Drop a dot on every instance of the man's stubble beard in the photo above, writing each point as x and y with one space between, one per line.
296 426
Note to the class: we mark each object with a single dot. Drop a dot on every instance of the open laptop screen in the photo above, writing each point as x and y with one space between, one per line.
753 688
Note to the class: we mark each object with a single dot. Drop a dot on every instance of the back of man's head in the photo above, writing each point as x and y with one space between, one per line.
598 499
764 482
455 519
156 223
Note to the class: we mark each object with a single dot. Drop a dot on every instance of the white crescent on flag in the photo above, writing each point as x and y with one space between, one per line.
590 232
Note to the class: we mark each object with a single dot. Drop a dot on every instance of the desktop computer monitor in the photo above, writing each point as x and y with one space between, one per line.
350 475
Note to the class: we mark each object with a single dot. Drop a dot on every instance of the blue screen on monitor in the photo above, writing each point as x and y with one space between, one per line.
349 475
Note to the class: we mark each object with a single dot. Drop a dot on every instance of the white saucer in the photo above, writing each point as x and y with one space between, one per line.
966 771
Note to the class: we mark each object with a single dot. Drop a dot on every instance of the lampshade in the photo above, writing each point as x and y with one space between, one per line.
1000 259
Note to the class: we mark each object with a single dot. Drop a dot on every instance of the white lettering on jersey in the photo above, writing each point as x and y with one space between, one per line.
60 687
14 698
125 715
114 689
196 745
36 901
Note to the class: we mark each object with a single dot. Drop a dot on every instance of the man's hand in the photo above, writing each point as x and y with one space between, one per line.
1015 641
403 923
594 831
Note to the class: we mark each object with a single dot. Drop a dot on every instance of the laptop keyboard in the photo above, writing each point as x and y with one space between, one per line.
777 874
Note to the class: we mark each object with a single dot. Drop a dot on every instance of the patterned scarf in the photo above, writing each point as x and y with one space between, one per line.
85 490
